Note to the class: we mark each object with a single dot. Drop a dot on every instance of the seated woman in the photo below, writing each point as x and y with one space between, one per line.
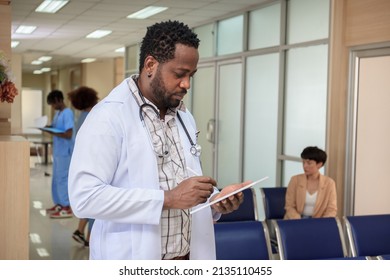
311 195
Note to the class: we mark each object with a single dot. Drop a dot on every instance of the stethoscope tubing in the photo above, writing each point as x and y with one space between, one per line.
195 148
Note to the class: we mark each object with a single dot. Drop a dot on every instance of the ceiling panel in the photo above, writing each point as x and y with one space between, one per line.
62 35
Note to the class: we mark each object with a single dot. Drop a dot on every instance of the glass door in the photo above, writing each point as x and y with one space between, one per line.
229 123
203 109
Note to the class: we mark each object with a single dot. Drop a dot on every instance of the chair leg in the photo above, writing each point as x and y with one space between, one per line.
38 155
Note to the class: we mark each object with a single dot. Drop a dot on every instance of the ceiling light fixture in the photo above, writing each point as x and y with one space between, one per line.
14 44
88 60
37 72
121 50
98 34
147 12
46 69
51 6
25 29
36 62
45 58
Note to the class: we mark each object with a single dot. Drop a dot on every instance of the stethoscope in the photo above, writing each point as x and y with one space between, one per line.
195 149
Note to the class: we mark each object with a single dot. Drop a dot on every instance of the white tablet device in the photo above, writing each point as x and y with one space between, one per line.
229 194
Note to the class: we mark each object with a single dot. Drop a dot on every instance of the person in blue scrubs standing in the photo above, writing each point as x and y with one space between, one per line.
63 143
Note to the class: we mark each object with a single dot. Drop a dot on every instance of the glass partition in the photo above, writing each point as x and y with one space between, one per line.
207 39
305 99
229 124
230 35
307 20
264 27
261 118
203 111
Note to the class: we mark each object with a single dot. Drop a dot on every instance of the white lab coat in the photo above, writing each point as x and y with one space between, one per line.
113 178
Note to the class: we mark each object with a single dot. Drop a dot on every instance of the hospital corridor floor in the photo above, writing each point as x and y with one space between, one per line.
50 239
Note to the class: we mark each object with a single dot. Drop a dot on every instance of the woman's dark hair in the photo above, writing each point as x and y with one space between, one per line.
314 153
83 97
55 96
161 39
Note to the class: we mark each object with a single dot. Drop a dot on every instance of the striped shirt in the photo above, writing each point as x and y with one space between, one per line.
165 141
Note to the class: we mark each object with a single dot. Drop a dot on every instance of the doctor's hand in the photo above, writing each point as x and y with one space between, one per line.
189 193
232 202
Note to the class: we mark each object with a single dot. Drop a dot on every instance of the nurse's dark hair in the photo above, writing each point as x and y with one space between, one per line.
54 96
161 38
314 153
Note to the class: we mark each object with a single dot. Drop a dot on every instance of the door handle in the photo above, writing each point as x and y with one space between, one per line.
210 134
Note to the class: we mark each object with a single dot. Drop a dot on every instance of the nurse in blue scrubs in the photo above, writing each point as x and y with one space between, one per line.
63 143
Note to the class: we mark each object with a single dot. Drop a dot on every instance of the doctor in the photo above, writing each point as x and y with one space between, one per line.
135 167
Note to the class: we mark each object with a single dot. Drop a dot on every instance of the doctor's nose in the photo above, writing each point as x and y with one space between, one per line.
185 83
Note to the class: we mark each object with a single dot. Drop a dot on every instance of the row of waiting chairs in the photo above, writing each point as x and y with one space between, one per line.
306 239
367 237
242 236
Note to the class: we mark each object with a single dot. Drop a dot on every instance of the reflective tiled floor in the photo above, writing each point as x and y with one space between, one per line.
50 239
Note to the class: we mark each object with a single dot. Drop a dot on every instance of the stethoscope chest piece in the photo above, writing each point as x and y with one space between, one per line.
196 150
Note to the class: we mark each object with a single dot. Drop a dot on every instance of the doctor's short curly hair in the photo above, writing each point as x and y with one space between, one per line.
161 38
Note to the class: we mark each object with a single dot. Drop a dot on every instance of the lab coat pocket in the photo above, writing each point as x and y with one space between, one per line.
117 246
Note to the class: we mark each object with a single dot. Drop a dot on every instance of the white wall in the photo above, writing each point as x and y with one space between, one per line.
31 109
99 75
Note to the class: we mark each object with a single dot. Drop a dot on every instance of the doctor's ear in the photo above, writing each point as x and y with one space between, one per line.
151 65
